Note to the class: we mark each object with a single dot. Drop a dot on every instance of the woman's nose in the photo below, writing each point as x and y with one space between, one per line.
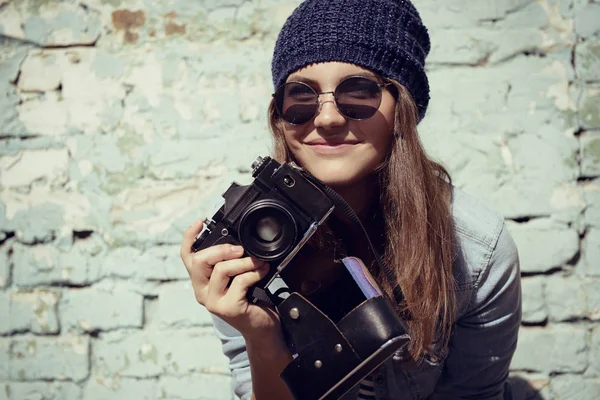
328 115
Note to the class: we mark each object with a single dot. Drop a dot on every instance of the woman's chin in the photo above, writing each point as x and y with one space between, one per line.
338 180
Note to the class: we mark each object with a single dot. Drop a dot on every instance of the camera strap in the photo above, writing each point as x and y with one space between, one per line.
349 213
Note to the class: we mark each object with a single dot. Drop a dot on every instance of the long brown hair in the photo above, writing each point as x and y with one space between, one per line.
415 201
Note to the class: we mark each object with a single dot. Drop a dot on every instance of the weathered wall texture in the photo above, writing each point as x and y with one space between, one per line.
122 121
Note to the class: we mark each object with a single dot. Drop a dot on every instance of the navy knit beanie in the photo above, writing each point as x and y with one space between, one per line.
384 36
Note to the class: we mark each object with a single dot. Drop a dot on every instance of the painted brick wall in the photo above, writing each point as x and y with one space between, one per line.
122 121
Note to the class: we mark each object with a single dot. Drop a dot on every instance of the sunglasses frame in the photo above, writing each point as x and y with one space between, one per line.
381 86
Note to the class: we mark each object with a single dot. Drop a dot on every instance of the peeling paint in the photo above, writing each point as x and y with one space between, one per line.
119 181
157 205
591 152
559 92
171 28
129 142
11 22
76 206
31 347
84 324
568 196
79 345
555 19
128 22
590 108
148 353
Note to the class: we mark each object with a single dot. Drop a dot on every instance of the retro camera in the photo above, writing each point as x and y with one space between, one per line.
272 218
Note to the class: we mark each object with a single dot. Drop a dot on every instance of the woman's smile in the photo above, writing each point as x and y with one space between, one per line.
332 147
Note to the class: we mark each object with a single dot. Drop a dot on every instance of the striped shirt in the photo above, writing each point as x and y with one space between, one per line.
366 389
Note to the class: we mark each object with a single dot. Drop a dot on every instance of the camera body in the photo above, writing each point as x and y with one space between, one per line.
272 218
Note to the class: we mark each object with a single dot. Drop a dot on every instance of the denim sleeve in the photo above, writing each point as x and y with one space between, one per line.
234 348
485 337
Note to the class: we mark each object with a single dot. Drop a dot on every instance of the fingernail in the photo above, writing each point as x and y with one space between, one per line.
237 249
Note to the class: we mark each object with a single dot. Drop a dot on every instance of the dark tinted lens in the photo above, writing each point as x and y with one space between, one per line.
296 103
358 98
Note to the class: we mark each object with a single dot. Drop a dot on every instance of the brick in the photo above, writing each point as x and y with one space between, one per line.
40 358
565 297
35 265
575 387
120 388
534 307
591 253
5 264
4 359
590 287
594 368
45 213
586 20
44 264
543 245
34 311
26 167
92 309
157 263
151 353
42 391
195 387
118 263
591 192
589 107
47 264
587 58
154 206
39 74
590 160
5 313
553 349
47 115
177 308
477 45
87 102
60 24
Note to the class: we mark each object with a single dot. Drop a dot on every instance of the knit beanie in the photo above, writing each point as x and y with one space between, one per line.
384 36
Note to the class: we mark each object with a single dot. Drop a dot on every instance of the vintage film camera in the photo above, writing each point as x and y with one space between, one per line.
272 218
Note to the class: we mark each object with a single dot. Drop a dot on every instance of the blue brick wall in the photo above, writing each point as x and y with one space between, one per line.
122 121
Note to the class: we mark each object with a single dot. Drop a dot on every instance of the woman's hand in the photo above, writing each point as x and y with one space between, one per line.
221 278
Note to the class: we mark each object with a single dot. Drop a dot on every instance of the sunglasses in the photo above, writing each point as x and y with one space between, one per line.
356 98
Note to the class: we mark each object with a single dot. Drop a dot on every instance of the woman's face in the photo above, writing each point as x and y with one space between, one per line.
339 151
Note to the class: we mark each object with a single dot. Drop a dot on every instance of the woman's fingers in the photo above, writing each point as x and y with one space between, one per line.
225 271
215 254
189 236
231 302
202 269
241 283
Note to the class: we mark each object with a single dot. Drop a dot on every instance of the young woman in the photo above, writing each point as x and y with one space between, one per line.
350 89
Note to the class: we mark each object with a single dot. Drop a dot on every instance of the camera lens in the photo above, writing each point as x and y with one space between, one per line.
267 230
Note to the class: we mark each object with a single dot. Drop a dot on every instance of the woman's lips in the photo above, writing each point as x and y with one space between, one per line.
332 148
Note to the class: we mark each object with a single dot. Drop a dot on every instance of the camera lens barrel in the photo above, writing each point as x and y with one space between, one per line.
267 230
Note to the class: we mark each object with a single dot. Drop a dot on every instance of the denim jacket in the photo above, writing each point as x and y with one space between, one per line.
484 336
